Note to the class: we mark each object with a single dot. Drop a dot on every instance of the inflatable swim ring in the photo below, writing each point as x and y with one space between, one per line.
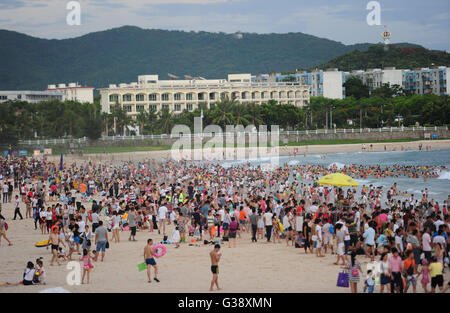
162 251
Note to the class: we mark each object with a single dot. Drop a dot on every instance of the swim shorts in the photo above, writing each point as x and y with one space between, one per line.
437 281
150 261
215 269
101 245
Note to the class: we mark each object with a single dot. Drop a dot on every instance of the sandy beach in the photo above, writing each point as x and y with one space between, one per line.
260 267
250 267
283 151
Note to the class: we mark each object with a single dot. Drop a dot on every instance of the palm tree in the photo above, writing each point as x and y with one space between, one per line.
141 120
121 117
152 116
166 120
222 113
241 116
254 112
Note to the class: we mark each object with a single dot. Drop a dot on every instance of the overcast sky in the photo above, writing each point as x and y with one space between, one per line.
416 21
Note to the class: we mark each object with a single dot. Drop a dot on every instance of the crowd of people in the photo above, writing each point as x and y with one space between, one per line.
84 207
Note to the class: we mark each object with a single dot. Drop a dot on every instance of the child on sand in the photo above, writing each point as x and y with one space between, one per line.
369 283
425 272
299 240
197 233
260 226
87 265
40 271
176 237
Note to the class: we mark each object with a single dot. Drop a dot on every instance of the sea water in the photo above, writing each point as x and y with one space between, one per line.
438 188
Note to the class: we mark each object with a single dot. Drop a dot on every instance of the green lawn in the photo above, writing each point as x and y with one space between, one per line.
125 149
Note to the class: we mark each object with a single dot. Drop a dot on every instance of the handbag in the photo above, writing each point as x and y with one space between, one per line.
342 280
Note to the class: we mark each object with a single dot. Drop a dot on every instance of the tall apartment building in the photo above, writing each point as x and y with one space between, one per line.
328 83
30 96
425 81
150 93
74 92
374 78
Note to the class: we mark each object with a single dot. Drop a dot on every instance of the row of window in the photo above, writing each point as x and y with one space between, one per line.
178 107
154 107
212 96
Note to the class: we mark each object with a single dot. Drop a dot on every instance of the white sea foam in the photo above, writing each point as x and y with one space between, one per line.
293 162
444 175
338 165
362 181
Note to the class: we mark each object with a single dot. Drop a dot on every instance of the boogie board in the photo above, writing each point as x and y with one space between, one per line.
43 243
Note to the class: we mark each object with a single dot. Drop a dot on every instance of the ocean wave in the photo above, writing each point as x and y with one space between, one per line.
293 162
337 164
444 175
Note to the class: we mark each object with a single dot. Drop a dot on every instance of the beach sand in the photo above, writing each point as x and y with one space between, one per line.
282 151
260 267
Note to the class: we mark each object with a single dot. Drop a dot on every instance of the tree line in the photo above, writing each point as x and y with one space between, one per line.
383 107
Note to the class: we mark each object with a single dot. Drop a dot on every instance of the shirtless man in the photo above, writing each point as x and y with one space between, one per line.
150 260
55 241
215 258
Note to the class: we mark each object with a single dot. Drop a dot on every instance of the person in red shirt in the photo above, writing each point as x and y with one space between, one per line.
436 207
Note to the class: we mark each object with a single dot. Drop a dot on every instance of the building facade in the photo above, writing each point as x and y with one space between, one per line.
150 93
426 81
30 96
74 92
375 78
328 83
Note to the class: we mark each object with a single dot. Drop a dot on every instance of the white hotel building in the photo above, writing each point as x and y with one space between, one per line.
74 92
150 93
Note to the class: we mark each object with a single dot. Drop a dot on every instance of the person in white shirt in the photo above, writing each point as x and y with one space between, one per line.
91 188
426 243
95 218
17 209
319 241
176 237
28 274
268 223
313 208
358 220
162 212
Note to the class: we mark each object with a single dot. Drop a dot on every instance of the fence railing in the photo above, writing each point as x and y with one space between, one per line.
227 134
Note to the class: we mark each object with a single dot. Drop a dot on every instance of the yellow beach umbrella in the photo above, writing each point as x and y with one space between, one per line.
337 179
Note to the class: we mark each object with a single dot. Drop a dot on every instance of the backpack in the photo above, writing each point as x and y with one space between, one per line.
410 270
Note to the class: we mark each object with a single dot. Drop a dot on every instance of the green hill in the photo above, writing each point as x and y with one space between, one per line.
401 56
121 54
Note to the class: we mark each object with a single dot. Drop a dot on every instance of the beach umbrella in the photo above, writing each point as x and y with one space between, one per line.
337 179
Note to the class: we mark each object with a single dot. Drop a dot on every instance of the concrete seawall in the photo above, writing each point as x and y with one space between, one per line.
311 136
